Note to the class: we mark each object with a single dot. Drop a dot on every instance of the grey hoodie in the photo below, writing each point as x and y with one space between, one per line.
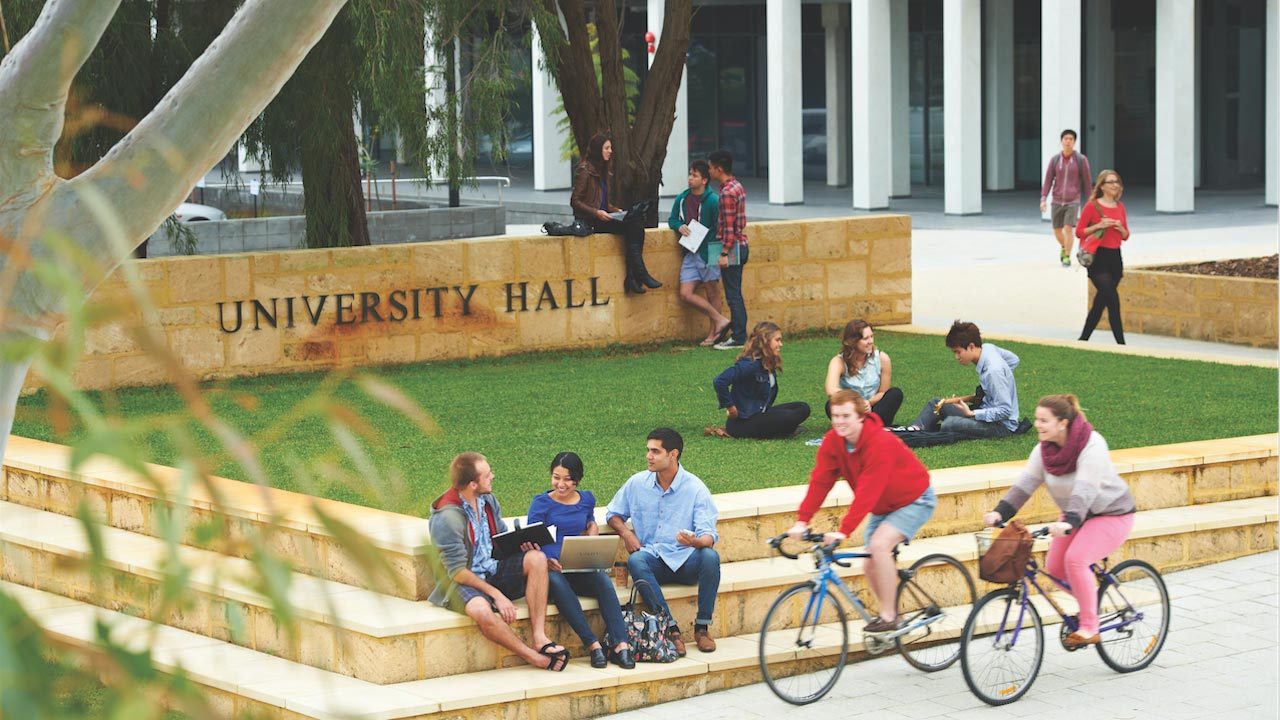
451 538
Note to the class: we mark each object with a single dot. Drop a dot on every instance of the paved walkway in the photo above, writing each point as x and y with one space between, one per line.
1219 661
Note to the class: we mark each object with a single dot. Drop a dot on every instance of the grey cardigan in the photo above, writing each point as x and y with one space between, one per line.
1095 488
452 541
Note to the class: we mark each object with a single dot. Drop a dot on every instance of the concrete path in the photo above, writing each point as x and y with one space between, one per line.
1220 660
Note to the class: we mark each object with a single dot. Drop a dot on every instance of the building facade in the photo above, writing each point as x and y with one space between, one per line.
969 95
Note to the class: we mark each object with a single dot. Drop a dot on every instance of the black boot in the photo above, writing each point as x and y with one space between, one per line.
635 254
630 284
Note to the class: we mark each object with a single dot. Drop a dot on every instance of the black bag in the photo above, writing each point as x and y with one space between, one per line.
578 227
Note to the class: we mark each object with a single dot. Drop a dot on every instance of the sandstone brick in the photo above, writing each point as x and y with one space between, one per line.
111 338
541 257
256 348
1159 488
195 280
590 325
825 239
803 317
199 348
639 318
1219 544
128 512
437 346
296 260
545 327
491 260
603 245
237 278
438 263
891 255
397 349
890 286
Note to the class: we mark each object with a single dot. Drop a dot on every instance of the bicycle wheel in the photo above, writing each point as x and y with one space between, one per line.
1002 647
811 623
1138 599
937 588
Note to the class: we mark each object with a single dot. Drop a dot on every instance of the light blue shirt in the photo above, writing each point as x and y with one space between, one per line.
995 375
482 562
657 514
865 382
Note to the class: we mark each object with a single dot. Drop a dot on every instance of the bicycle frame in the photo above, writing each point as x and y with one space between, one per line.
1072 622
827 576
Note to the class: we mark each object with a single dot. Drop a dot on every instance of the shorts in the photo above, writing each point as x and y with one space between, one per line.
1064 215
509 579
694 270
906 520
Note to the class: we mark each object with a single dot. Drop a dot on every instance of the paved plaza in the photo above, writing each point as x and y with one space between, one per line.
1220 661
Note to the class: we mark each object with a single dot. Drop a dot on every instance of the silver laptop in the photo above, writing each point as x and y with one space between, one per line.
588 553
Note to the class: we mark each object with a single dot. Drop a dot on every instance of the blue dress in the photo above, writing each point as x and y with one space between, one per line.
568 519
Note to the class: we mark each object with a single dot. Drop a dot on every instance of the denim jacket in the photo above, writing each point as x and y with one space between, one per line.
745 385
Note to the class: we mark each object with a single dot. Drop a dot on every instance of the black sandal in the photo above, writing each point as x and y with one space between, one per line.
560 658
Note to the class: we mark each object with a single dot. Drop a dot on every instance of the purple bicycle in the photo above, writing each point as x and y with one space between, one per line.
1003 641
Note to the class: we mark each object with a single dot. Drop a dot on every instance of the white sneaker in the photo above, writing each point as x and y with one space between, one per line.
728 345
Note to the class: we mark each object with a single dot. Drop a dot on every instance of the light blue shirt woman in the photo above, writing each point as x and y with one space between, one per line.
866 381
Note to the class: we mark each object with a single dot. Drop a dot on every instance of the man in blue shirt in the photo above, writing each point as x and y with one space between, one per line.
672 533
997 415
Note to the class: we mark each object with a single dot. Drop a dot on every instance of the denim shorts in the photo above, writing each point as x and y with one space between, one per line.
693 270
906 520
509 579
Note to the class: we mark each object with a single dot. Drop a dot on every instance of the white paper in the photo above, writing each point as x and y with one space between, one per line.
620 216
697 233
254 187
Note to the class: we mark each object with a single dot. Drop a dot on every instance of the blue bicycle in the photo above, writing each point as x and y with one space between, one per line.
808 621
1003 641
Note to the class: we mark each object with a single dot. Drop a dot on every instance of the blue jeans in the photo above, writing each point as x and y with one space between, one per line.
564 590
732 278
701 569
952 420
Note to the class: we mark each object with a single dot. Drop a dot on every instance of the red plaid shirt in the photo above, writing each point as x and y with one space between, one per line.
733 214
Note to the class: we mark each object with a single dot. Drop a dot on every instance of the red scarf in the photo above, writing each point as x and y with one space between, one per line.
1061 460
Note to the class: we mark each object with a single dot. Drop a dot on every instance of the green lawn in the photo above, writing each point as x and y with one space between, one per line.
521 411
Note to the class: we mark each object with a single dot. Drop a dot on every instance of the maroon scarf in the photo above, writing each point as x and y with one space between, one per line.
1062 460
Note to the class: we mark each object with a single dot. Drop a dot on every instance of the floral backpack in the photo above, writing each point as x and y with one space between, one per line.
646 632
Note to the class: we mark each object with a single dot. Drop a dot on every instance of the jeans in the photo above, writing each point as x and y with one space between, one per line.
701 569
732 278
563 590
779 421
952 420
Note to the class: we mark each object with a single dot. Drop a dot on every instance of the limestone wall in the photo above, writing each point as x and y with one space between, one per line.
272 312
1198 307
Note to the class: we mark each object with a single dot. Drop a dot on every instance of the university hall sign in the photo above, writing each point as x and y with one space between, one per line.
401 305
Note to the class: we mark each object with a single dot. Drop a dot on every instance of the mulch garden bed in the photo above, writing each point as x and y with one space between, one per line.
1262 267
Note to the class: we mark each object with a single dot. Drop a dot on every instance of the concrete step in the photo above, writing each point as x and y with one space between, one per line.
300 527
385 640
239 680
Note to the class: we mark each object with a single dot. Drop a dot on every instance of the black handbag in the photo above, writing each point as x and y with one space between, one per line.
578 227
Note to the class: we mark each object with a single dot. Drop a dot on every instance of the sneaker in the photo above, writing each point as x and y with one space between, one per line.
880 625
815 442
728 345
1065 257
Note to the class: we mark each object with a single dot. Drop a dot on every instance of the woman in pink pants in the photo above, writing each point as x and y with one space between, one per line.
1073 463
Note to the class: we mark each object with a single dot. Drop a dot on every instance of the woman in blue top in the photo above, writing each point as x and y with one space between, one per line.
747 389
864 369
572 511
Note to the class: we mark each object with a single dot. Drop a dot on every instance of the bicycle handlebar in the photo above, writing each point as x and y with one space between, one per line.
1042 532
827 550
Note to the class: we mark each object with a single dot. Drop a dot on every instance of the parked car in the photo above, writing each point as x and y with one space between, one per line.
195 212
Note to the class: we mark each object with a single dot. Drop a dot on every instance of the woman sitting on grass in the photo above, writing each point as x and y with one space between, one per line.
863 368
1073 463
572 511
747 389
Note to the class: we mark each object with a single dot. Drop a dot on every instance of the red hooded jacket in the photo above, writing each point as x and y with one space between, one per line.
883 472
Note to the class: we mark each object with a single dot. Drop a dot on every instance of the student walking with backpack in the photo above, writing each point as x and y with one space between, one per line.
1073 463
1066 181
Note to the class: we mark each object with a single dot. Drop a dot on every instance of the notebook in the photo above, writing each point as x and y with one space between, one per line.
588 553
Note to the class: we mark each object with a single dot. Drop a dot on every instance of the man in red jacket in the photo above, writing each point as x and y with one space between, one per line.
888 482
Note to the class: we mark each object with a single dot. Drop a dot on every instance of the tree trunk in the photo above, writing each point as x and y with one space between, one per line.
639 146
333 200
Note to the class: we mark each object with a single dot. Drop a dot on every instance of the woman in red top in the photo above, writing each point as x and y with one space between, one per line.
888 482
1103 226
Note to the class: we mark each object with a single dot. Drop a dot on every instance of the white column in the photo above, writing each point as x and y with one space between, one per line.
1100 121
1059 78
675 168
786 161
1273 102
836 25
550 172
962 105
1175 105
899 100
869 21
998 94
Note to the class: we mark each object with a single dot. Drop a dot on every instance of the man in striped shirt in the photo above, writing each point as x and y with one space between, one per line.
731 232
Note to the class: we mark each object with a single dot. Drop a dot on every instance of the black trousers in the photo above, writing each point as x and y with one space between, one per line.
779 421
1105 274
887 407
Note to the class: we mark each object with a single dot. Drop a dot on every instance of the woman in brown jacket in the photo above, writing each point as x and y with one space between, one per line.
591 203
